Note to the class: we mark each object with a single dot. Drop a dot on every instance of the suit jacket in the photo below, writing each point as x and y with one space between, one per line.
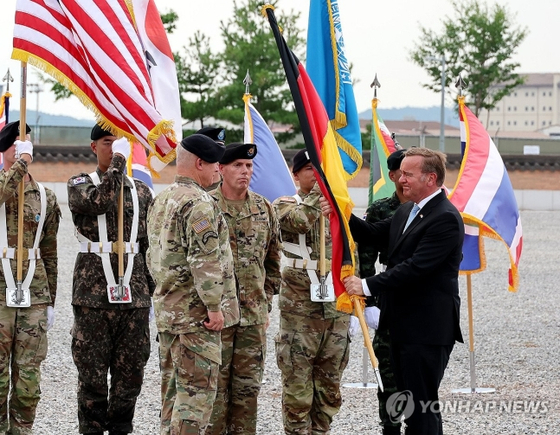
419 291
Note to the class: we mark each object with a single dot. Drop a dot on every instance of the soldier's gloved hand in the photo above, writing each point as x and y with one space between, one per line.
24 147
50 317
152 315
354 326
372 317
121 146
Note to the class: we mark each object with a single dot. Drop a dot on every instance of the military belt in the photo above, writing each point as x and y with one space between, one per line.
108 247
298 263
28 254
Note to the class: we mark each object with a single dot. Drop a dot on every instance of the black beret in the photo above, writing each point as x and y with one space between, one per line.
97 132
203 147
217 134
394 160
300 160
8 135
236 151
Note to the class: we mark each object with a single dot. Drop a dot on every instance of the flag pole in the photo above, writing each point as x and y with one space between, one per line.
120 242
473 388
359 312
21 199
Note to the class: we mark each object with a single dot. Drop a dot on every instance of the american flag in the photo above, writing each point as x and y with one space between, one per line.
94 49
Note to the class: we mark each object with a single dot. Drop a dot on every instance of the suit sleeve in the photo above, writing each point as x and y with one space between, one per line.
438 240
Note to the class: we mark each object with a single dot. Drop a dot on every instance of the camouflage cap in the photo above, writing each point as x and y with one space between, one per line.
8 135
236 151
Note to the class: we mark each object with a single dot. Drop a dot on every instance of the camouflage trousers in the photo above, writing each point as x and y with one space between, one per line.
103 341
311 354
239 381
188 386
382 349
23 347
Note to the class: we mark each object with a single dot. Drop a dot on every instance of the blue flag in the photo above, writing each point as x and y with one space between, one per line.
329 71
271 176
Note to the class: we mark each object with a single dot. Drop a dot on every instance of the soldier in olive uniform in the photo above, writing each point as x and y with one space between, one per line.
312 345
192 264
255 243
24 323
368 254
110 333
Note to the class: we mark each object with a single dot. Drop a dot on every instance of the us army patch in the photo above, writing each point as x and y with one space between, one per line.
201 225
208 235
79 180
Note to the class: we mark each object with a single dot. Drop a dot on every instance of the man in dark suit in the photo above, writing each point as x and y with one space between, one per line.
419 291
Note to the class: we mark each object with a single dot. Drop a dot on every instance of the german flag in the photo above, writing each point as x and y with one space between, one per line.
321 146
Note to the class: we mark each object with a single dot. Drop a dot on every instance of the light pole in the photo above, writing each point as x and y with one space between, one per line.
442 113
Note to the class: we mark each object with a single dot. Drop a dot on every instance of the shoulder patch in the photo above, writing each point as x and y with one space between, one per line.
79 180
201 225
287 199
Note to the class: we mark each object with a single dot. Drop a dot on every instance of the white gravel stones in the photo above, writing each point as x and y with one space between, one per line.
517 346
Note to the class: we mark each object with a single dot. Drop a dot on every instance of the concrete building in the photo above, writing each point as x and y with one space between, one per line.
533 106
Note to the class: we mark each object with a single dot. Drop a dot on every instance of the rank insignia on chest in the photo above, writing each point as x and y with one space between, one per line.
201 225
79 180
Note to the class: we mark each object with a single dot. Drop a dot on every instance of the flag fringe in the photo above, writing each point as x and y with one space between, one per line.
351 151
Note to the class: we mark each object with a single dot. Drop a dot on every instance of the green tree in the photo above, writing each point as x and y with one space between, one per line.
478 43
249 45
197 72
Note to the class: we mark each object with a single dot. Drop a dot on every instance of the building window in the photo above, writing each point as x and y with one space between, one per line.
515 108
515 94
509 109
509 122
532 122
532 108
526 123
497 122
550 94
544 94
549 122
526 94
544 123
491 122
550 108
544 108
514 122
532 94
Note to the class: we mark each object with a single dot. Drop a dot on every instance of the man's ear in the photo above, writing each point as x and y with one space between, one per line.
93 146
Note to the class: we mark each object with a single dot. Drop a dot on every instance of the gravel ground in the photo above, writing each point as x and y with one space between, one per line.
517 339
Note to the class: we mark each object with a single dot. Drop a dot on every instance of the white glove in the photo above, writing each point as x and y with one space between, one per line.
50 317
152 315
24 147
372 317
354 326
121 146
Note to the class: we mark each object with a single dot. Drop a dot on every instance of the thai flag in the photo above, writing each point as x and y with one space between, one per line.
271 176
484 196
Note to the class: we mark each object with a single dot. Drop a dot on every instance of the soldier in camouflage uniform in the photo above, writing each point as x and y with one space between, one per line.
368 254
192 264
23 331
255 243
109 337
312 345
